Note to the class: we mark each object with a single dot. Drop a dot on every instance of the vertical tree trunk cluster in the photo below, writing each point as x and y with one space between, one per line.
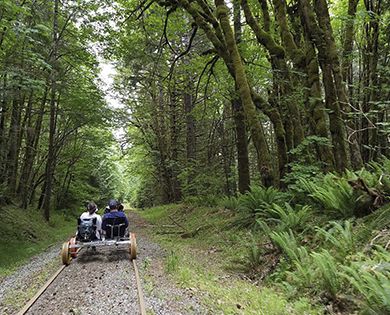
306 46
38 65
299 87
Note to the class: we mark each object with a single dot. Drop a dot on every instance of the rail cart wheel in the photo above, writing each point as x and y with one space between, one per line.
133 246
65 254
73 251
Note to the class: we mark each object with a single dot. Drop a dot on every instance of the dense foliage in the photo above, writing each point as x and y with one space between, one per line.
222 95
279 108
56 145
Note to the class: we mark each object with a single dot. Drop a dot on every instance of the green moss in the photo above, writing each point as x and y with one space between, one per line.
25 233
211 262
201 263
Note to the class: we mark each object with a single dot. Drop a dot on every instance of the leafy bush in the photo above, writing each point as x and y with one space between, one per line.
196 180
305 162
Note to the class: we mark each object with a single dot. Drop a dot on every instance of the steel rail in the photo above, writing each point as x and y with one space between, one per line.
31 302
142 307
40 292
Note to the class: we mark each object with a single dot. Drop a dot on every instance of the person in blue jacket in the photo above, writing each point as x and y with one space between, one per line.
114 213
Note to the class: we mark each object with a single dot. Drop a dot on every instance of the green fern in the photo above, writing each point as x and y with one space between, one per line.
287 242
372 283
288 217
256 203
341 237
327 268
334 194
260 198
303 275
254 258
230 203
380 175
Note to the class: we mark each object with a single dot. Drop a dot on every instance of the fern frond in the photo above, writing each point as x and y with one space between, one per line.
340 236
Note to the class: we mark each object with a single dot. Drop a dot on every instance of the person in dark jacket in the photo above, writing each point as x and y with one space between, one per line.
114 213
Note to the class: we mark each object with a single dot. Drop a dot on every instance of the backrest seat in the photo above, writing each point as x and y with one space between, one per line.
115 227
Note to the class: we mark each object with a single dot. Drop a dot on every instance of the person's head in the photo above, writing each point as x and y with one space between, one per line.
120 207
91 207
112 204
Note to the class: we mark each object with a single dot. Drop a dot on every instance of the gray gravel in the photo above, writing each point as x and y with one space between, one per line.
22 279
103 282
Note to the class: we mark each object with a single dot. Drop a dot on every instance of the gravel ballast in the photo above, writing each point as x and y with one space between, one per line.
102 282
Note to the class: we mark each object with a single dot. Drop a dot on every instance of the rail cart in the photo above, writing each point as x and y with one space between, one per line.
115 234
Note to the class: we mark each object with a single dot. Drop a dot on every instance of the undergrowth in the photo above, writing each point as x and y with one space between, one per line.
312 241
24 233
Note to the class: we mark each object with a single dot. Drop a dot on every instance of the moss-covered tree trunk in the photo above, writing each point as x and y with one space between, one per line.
318 118
370 79
321 35
239 118
256 129
282 85
241 146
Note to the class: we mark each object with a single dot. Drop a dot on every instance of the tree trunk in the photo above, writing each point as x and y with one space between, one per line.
50 166
322 37
32 141
13 149
258 138
318 116
3 136
370 78
242 147
174 133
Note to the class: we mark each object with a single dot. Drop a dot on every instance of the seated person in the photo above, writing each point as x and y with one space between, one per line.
91 216
114 217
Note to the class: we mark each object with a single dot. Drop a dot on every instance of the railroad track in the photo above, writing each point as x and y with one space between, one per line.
32 301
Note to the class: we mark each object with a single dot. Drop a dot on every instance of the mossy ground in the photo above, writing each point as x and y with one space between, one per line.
25 233
203 258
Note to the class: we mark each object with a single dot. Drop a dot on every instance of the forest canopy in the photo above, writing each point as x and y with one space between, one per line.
223 95
216 96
